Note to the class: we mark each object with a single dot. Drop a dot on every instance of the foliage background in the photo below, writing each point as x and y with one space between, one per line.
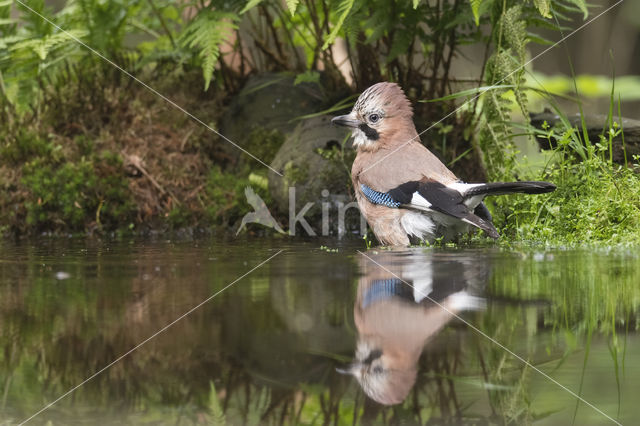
86 149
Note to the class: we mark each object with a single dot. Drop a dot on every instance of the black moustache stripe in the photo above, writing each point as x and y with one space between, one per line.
370 133
375 354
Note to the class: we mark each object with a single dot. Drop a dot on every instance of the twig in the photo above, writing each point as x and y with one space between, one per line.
163 23
287 33
136 162
3 92
274 34
265 49
186 138
452 46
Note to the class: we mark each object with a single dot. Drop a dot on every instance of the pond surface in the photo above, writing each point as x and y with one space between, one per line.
284 331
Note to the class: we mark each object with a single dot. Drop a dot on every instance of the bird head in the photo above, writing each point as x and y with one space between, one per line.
381 114
383 378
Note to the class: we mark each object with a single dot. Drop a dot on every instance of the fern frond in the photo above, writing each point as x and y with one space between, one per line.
250 5
515 31
43 46
10 40
343 9
544 7
292 5
205 34
475 9
216 411
582 5
307 77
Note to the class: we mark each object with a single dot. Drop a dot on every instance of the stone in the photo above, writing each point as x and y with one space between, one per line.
268 102
315 159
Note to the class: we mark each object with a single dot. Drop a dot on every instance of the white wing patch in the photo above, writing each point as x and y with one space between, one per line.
462 188
463 301
421 277
419 202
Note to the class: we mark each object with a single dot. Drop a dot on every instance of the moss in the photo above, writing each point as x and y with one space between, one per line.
180 217
264 143
26 144
101 154
74 196
226 201
596 203
294 173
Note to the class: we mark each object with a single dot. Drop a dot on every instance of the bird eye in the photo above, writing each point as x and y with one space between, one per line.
374 118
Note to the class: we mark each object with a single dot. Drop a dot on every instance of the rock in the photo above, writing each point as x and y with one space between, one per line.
594 124
268 102
313 161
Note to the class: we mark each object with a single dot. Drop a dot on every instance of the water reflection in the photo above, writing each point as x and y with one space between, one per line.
404 299
266 349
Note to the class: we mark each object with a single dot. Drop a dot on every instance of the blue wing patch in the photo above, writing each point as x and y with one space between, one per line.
379 197
385 289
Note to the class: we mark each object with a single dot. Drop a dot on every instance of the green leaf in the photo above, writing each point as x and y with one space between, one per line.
278 78
401 43
582 5
468 92
307 77
292 5
250 5
416 3
7 21
538 39
5 3
544 7
343 104
475 9
43 46
10 40
343 9
206 33
216 413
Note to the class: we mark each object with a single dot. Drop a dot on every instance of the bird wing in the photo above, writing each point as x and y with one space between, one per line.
430 196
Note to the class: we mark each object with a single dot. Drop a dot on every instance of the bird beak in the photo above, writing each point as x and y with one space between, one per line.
345 120
350 369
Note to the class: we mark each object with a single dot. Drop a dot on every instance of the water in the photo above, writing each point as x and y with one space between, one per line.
419 329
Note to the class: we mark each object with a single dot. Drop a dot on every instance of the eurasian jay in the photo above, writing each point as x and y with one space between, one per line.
403 190
395 315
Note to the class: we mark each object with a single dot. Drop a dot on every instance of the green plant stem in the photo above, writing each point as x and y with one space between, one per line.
3 92
163 23
624 147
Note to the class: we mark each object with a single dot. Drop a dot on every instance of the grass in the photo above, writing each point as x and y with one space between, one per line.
597 202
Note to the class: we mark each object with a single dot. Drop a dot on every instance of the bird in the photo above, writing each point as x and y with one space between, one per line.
403 190
404 299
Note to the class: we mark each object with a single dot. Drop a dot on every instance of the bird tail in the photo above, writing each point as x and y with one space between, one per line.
500 188
478 222
463 301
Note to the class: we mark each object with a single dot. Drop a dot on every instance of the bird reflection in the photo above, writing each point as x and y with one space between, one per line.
404 299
